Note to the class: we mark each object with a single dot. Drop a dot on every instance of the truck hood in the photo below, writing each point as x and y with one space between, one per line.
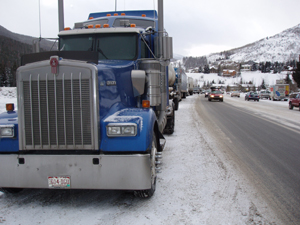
114 84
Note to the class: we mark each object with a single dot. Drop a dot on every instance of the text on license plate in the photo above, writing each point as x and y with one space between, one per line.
59 182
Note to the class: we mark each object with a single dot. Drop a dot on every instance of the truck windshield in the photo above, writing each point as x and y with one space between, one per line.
118 46
76 43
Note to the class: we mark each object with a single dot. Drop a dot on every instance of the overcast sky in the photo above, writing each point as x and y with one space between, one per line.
198 27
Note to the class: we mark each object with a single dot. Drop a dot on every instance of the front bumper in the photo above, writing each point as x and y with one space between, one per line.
114 172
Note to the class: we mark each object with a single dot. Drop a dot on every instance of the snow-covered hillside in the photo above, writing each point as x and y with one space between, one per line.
256 78
280 47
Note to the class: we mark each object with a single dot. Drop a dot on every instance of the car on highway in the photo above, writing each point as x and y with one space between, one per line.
252 96
196 90
206 92
264 94
215 95
235 94
294 100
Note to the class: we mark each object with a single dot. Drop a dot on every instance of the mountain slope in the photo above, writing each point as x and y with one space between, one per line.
281 47
44 44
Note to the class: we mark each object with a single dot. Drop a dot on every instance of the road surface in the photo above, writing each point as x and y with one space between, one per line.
264 141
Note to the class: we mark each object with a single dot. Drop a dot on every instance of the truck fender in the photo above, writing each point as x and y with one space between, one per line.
145 119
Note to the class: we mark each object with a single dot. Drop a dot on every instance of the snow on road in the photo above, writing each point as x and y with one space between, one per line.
196 185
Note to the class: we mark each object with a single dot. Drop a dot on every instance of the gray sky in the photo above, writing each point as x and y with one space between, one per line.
198 27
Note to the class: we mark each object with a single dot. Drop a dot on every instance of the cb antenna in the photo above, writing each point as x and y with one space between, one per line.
40 20
36 41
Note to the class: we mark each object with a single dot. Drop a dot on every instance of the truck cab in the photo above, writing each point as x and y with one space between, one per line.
91 115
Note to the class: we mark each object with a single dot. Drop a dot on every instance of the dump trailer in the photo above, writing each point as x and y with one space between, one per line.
92 115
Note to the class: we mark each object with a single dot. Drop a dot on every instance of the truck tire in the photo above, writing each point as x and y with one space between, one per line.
176 102
169 129
291 106
149 192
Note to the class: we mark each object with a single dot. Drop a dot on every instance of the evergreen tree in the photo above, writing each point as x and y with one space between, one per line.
287 79
263 86
206 69
2 75
14 71
296 75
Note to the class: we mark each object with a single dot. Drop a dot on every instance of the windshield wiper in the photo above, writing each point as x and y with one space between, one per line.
100 50
62 47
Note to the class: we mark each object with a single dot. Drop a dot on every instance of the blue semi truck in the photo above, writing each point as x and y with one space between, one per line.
92 114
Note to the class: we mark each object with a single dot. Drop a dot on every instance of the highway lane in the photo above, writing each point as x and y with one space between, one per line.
267 152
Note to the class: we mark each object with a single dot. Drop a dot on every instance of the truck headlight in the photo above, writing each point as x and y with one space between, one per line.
121 130
7 131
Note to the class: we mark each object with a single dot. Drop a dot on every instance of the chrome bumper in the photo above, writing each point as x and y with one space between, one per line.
114 172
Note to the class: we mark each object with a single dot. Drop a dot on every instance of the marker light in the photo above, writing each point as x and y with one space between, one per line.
146 104
10 107
106 25
67 28
143 15
91 18
116 14
90 26
123 14
132 25
98 26
108 14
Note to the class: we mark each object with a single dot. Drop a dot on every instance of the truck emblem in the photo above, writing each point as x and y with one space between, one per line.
111 83
54 64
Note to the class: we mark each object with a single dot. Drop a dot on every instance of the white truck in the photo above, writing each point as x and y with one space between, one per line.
279 91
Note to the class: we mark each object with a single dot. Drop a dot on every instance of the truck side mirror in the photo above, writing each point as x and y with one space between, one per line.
138 79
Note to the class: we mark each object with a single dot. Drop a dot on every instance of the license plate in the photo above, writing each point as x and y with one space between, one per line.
59 182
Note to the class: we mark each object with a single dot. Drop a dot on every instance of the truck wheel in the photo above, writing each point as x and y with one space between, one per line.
176 102
291 106
149 192
11 190
169 129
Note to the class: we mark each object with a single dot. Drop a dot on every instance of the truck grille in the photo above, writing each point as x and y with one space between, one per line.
58 110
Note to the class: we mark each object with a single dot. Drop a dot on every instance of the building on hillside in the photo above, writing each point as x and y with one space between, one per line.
246 67
232 87
247 87
229 73
213 69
